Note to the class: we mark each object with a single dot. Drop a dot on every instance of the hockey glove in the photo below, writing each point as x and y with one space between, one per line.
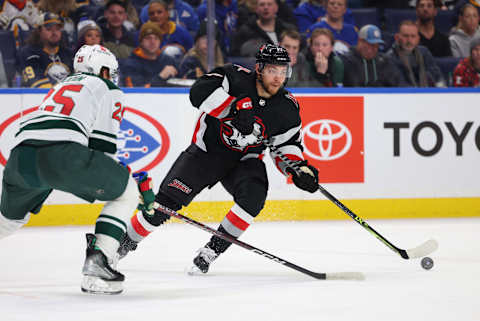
243 118
147 196
307 177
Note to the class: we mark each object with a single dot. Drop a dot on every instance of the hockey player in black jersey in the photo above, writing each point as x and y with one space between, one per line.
237 105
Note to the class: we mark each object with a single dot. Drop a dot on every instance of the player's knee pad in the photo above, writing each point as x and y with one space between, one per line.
251 197
8 227
124 206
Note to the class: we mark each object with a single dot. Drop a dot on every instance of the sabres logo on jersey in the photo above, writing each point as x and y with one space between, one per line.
234 140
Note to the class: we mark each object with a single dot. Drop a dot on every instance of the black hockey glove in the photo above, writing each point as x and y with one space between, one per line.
307 179
243 118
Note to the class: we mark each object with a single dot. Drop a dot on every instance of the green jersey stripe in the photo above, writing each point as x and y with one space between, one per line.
102 145
99 132
51 124
110 230
54 116
115 219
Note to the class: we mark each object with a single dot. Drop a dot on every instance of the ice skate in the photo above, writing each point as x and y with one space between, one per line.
126 245
98 276
202 261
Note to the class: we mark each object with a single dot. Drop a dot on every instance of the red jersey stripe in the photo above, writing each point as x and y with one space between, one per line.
217 111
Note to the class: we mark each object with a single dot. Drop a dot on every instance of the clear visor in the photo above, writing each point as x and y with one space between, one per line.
278 70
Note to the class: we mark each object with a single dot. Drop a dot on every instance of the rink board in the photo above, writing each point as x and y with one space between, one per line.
398 153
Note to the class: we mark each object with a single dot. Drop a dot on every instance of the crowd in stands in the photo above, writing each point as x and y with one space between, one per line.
331 43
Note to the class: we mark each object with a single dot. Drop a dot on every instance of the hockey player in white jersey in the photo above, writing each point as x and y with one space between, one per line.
68 144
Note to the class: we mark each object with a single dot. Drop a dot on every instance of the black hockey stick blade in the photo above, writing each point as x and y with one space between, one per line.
420 251
316 275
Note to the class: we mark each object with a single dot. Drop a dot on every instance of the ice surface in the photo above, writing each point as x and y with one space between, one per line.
40 275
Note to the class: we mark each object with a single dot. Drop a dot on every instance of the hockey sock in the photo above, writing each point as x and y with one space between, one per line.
139 227
8 227
235 223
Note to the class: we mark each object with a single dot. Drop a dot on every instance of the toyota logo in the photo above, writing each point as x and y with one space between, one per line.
326 133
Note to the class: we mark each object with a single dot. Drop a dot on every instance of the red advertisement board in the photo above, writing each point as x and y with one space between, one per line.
333 136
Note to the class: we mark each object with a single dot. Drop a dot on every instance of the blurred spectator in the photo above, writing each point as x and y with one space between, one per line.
291 40
467 72
89 33
3 73
466 31
345 34
194 64
322 68
246 8
461 3
366 67
18 15
260 29
415 62
132 22
116 37
175 39
70 12
226 16
430 37
313 11
44 61
180 12
147 66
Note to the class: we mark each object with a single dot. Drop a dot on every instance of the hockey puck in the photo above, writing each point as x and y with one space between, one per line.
427 263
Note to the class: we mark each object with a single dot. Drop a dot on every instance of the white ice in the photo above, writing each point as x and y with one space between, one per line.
40 275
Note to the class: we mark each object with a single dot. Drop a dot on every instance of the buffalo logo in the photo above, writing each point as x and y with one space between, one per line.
233 139
57 71
328 139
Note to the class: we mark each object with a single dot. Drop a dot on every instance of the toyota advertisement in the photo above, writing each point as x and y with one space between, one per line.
366 146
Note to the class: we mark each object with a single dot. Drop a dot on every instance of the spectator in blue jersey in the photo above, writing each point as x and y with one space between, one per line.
44 61
148 66
345 34
226 14
194 64
116 37
175 40
313 11
263 28
180 12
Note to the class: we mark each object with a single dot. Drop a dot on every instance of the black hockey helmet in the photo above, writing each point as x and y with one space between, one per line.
269 54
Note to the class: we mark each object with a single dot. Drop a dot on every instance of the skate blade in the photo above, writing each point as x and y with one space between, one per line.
95 285
194 271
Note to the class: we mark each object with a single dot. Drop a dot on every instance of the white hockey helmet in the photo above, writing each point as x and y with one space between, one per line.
91 59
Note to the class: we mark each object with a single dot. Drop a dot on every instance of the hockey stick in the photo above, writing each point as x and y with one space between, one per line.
226 237
416 252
